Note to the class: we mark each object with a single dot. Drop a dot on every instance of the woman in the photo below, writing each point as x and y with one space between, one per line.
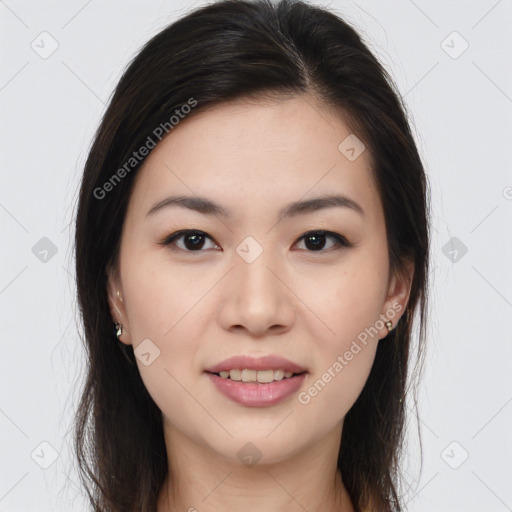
251 246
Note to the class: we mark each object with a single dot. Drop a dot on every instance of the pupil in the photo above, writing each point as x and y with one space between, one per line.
316 245
194 245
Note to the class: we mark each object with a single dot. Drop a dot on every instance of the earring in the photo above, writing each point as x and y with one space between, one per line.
118 328
389 325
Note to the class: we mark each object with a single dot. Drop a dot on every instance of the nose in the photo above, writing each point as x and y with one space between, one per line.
257 298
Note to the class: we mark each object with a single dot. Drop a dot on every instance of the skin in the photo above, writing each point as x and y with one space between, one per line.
201 307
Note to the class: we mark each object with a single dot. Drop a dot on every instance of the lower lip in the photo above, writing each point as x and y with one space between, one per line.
254 394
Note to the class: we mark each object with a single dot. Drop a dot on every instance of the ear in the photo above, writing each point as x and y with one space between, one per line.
399 289
116 302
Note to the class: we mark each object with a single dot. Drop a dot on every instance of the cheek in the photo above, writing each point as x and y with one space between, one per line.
170 377
348 301
160 297
161 324
344 364
330 395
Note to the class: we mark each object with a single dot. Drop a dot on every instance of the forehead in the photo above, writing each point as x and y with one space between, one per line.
257 154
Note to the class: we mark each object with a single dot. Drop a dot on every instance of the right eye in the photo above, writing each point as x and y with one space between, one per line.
193 240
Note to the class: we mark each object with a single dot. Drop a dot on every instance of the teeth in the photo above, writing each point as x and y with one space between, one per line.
235 375
279 374
262 376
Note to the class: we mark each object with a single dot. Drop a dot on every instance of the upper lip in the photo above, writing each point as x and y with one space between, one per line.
260 363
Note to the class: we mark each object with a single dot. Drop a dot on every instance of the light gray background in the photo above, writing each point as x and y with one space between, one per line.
461 110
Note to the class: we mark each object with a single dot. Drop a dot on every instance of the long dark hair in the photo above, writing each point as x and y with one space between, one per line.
224 51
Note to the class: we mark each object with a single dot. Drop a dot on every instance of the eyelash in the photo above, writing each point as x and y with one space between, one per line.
341 241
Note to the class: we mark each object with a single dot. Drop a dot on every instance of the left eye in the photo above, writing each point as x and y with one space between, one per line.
194 240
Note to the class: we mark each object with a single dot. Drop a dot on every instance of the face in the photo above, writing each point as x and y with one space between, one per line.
311 286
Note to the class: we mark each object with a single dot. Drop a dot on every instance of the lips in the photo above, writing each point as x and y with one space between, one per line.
254 394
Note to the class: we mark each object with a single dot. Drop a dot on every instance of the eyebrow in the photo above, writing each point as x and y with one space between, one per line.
208 207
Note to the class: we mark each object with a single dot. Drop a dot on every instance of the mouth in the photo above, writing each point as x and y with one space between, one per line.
257 382
252 393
